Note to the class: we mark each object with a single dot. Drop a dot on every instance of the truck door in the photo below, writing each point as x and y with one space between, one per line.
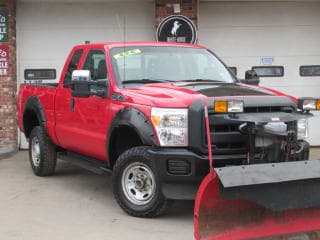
87 128
63 101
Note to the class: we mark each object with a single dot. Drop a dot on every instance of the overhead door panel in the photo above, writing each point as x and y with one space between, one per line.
242 33
46 31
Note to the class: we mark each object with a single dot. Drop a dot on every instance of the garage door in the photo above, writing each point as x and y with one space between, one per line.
247 34
46 31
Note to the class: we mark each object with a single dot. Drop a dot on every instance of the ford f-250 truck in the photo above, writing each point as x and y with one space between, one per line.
136 109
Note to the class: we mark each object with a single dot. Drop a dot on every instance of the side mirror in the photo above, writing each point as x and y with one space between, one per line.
100 88
83 86
80 83
251 77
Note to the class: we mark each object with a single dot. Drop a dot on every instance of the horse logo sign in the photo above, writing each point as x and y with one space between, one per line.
176 28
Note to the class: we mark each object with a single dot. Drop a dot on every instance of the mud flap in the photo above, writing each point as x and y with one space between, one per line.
250 207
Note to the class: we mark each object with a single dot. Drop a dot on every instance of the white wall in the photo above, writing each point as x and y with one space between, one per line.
243 32
46 31
239 32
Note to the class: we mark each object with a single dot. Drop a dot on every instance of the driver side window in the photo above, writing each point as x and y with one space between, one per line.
96 63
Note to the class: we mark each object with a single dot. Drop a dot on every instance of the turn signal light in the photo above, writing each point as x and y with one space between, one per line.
318 104
156 120
228 106
221 106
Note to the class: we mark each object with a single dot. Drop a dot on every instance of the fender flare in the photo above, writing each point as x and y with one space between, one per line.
136 120
33 104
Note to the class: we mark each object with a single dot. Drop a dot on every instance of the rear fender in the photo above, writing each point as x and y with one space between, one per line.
34 106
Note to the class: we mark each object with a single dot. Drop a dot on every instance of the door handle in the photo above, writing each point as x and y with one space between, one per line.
72 105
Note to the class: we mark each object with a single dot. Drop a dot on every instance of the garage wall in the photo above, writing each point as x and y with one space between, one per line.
243 32
46 31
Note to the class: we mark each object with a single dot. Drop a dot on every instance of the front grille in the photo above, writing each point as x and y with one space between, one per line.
226 139
267 109
261 109
225 135
225 128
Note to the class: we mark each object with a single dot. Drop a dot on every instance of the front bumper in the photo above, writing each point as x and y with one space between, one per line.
180 171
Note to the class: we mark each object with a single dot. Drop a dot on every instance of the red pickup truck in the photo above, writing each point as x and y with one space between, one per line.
136 109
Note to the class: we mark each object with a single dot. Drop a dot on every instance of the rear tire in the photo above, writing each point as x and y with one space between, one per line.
42 152
136 185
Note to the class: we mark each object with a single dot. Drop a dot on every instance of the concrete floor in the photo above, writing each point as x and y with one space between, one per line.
77 204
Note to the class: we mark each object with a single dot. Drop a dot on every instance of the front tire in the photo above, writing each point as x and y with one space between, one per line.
136 185
42 153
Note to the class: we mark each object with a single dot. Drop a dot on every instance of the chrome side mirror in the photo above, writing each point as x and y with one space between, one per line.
80 83
81 75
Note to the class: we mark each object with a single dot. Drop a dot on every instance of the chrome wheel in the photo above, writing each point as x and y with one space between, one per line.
138 183
35 151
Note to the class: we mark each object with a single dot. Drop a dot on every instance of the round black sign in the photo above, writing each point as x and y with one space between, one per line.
176 28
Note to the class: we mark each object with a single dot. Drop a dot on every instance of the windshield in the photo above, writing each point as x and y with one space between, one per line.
143 64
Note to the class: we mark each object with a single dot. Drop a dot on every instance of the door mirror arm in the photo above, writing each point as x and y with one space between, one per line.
251 77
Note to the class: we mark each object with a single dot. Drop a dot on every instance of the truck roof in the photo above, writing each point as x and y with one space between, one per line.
148 43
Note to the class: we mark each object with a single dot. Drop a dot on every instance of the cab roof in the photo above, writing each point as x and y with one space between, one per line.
129 44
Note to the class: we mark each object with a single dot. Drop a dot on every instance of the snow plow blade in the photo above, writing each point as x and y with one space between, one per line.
259 201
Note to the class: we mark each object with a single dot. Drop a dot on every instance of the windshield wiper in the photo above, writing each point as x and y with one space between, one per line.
145 80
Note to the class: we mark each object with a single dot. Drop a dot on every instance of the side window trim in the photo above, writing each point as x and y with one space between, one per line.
92 65
73 64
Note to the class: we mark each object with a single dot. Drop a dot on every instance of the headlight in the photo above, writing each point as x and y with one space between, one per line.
171 125
235 106
308 104
302 128
231 106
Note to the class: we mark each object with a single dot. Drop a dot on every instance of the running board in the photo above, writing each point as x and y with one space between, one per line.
93 165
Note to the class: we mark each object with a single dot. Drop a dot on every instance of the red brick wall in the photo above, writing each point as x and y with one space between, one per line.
8 86
164 8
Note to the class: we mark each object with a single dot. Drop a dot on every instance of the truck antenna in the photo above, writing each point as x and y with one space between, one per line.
124 39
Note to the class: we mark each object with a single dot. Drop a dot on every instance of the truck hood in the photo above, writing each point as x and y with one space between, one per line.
182 94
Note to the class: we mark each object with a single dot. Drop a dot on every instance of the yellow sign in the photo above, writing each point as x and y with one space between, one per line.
127 53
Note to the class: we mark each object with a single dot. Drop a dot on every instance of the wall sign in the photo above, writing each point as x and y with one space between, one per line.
177 28
4 60
267 60
4 26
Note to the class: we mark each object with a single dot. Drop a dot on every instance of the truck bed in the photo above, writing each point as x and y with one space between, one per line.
49 85
45 92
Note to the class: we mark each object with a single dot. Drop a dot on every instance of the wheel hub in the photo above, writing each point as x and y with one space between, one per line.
138 183
35 151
